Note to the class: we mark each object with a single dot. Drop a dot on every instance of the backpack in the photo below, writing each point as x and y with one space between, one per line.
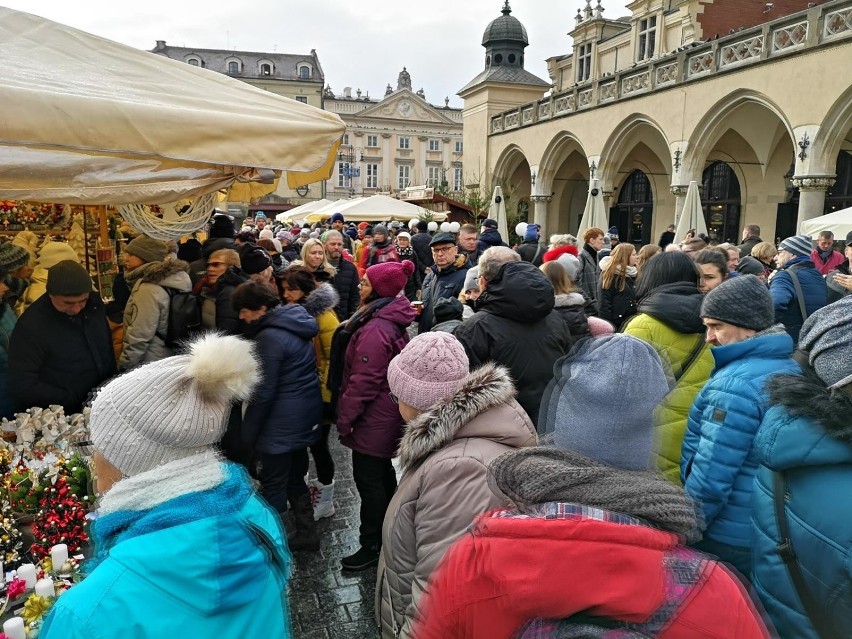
184 319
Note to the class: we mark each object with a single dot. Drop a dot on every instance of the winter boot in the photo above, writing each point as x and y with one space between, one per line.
366 557
324 499
305 535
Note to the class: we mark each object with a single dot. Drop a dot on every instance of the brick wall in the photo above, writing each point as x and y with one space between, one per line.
720 16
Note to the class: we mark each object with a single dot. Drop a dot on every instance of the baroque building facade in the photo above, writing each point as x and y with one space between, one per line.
296 76
395 142
753 101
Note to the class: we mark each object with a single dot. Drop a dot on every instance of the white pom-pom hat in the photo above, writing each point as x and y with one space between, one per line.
173 408
412 223
521 229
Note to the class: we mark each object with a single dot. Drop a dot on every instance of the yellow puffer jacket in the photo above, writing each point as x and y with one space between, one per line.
320 305
669 321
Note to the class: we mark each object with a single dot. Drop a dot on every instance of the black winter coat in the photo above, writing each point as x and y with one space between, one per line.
345 283
490 238
285 411
57 359
438 284
227 318
532 251
516 326
572 309
198 268
420 242
415 280
618 306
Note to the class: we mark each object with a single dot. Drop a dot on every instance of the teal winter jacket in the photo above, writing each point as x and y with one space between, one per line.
806 435
718 461
183 569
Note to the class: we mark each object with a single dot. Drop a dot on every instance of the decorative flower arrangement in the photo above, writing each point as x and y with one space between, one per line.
31 213
44 430
60 520
10 537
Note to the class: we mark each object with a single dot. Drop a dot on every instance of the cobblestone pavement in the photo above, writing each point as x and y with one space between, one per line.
326 603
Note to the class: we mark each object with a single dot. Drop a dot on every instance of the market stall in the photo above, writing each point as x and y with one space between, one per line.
94 135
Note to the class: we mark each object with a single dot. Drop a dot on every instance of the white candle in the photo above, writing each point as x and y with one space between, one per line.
27 572
14 628
44 588
58 555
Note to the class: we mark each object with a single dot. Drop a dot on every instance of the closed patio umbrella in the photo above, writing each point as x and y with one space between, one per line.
692 215
594 215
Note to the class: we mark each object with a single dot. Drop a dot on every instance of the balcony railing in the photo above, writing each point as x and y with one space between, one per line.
818 26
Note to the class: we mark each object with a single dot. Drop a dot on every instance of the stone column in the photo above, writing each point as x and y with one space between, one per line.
540 203
811 195
679 191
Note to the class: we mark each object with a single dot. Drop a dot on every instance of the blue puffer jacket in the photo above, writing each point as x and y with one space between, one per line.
807 434
814 290
205 564
718 461
285 411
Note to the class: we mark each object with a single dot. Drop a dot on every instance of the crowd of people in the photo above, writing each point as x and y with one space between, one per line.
664 427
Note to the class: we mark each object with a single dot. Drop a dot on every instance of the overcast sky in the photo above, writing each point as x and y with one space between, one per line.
362 44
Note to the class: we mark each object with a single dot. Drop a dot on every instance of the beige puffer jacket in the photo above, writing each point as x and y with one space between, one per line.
444 455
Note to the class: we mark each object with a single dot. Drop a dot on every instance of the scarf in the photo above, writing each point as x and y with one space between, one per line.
141 271
548 474
405 253
226 498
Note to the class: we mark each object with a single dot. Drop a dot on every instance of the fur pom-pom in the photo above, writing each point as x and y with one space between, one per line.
223 366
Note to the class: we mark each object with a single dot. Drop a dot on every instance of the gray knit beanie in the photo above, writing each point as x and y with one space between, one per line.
827 338
471 280
173 408
147 249
601 401
13 257
742 301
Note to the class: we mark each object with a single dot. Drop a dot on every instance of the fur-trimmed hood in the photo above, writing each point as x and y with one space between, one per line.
569 299
323 298
484 406
160 272
807 396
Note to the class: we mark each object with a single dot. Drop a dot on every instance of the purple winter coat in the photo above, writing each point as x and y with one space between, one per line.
368 420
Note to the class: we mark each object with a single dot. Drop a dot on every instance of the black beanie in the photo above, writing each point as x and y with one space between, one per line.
68 278
422 225
448 308
222 227
254 259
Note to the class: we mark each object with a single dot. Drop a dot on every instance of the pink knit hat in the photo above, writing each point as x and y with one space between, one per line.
389 278
598 327
429 369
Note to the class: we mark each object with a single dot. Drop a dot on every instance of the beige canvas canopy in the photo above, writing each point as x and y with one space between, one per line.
89 121
376 208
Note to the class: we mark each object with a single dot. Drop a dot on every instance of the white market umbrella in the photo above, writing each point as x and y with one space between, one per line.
376 208
839 223
594 215
497 211
303 209
692 215
89 121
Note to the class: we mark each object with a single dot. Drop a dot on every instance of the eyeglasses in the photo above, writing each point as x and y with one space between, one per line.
394 398
215 264
442 249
